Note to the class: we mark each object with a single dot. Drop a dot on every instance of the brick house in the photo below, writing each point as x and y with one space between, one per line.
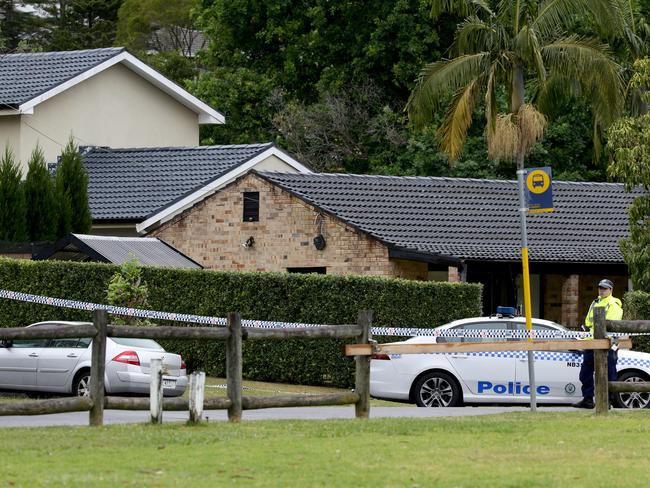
415 228
132 189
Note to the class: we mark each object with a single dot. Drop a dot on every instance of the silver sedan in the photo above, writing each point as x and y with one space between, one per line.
63 365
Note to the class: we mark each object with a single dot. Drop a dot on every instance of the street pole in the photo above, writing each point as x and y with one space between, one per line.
526 285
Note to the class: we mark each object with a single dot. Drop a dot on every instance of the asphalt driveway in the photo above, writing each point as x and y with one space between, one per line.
293 413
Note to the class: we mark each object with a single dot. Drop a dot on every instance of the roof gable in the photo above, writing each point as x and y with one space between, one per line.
130 184
27 79
469 218
24 76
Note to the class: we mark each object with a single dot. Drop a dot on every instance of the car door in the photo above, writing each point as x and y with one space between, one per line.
556 372
57 362
486 374
19 362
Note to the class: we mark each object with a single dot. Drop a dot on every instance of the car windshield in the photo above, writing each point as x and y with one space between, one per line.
143 343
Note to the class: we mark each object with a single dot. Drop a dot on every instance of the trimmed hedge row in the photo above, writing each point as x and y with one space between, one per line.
636 306
263 296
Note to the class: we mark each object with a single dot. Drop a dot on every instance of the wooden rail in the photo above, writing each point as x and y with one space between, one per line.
603 386
233 335
452 347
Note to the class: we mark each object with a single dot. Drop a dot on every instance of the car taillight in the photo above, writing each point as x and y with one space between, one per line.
183 365
128 357
383 357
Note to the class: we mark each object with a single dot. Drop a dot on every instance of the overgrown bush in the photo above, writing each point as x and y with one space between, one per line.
637 307
263 296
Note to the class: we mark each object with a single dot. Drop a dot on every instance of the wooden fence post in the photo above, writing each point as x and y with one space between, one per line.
97 368
197 387
234 367
156 391
362 373
600 364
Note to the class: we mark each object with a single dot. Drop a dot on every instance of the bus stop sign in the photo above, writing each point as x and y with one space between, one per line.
539 190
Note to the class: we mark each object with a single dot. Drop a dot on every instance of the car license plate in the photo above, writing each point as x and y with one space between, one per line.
169 383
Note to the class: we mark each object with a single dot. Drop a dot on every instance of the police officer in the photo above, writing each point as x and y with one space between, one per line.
613 311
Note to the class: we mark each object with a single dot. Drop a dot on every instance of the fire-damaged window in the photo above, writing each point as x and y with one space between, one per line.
251 206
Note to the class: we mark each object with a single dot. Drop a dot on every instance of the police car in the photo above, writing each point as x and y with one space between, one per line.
451 379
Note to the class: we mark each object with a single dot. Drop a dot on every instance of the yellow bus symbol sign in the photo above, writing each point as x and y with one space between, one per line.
538 181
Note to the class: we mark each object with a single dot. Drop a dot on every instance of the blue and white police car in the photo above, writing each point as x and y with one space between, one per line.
451 379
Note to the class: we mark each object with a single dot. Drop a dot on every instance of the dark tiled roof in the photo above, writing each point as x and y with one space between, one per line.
25 76
469 218
130 184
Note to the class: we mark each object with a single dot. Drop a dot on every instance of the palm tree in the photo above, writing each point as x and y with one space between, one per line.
512 45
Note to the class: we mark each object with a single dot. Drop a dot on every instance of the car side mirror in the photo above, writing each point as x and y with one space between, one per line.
7 343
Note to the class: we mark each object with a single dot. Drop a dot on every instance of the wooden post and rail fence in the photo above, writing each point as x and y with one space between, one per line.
233 336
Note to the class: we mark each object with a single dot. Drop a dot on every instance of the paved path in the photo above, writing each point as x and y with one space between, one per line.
294 413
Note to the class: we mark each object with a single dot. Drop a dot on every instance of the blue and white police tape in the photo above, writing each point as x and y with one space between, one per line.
265 324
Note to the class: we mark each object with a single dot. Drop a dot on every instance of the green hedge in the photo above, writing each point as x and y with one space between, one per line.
636 306
262 296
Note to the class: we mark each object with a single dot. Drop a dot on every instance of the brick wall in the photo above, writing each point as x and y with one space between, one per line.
212 233
568 297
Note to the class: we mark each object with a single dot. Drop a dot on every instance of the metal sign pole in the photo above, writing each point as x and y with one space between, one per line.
526 283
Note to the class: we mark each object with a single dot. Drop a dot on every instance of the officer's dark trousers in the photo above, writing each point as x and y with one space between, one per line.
587 371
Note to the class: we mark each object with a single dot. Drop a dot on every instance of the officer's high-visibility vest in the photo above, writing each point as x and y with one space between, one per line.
613 310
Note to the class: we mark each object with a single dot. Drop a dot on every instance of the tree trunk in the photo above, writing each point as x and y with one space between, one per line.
516 101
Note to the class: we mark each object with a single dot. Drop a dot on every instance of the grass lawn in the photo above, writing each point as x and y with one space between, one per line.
513 450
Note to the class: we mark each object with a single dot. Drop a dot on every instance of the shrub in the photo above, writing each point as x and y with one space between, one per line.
264 296
637 307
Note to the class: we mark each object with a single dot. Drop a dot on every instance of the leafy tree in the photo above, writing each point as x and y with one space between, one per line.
249 101
126 289
502 49
39 195
13 225
264 56
164 34
72 192
76 24
16 25
629 148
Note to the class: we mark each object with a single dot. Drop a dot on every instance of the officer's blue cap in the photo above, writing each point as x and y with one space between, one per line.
606 284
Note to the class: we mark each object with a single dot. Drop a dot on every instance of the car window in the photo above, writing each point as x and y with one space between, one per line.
24 343
84 342
540 327
144 343
61 343
491 326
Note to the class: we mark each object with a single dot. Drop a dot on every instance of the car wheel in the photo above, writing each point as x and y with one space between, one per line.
81 384
633 399
437 389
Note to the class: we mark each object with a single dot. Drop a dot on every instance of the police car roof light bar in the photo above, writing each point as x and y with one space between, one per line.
506 311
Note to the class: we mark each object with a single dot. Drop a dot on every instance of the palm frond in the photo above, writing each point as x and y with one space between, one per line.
528 48
589 62
558 14
473 35
462 8
439 79
458 118
491 101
